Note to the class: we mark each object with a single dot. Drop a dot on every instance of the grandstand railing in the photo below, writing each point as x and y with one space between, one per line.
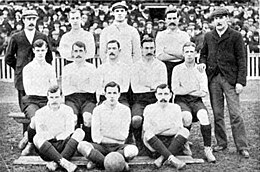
7 73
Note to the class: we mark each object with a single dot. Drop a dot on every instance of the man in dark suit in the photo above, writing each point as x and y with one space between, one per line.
19 54
224 55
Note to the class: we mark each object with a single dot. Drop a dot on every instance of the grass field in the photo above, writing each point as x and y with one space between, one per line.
229 160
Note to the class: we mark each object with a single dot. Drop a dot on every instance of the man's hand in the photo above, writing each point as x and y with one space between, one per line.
201 67
239 88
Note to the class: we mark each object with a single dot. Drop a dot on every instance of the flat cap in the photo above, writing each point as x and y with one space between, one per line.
119 5
161 21
221 11
29 13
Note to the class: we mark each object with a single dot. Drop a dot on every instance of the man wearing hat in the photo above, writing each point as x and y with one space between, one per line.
127 36
223 56
19 51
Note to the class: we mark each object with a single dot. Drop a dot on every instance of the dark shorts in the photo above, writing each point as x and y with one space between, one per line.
59 145
141 100
81 102
191 104
32 104
106 148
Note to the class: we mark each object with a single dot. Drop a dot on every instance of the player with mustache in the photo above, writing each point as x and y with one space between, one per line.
170 41
163 129
79 84
146 74
113 70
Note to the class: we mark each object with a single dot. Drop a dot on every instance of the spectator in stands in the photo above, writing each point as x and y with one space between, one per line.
77 33
79 83
38 76
113 70
146 74
254 43
189 87
164 133
161 25
149 31
55 41
110 126
127 36
53 134
224 55
170 41
3 40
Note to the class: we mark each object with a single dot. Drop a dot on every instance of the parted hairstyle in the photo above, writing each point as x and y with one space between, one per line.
171 11
188 44
39 43
79 44
112 84
161 86
147 39
114 41
54 89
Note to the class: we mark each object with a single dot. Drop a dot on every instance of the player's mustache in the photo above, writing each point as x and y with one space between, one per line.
112 54
172 23
78 57
149 54
163 100
31 24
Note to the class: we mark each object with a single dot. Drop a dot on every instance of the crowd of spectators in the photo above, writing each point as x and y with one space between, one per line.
195 20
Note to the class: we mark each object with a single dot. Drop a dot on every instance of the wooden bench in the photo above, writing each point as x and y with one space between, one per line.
139 160
20 118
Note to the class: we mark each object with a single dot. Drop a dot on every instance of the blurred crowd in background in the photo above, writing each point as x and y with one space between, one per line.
195 20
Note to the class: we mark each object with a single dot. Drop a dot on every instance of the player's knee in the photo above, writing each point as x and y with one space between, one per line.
38 140
130 151
148 135
87 119
184 132
78 135
137 121
85 148
203 117
32 123
186 118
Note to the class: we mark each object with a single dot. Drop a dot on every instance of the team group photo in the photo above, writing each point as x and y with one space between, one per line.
129 86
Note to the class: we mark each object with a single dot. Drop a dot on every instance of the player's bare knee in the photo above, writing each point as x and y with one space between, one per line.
78 135
137 121
130 151
184 132
87 119
203 117
32 123
85 148
186 118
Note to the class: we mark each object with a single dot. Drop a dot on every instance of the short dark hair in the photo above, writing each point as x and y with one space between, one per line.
171 11
74 11
39 43
114 41
161 86
112 84
54 89
146 39
79 44
188 44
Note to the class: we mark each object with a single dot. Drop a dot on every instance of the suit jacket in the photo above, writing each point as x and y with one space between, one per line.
19 54
227 53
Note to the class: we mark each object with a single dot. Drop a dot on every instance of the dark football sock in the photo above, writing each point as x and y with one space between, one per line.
206 134
69 149
49 151
87 131
31 134
96 157
177 144
158 146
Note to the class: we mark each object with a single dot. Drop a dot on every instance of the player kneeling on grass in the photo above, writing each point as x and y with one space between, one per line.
110 128
189 86
55 139
163 128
